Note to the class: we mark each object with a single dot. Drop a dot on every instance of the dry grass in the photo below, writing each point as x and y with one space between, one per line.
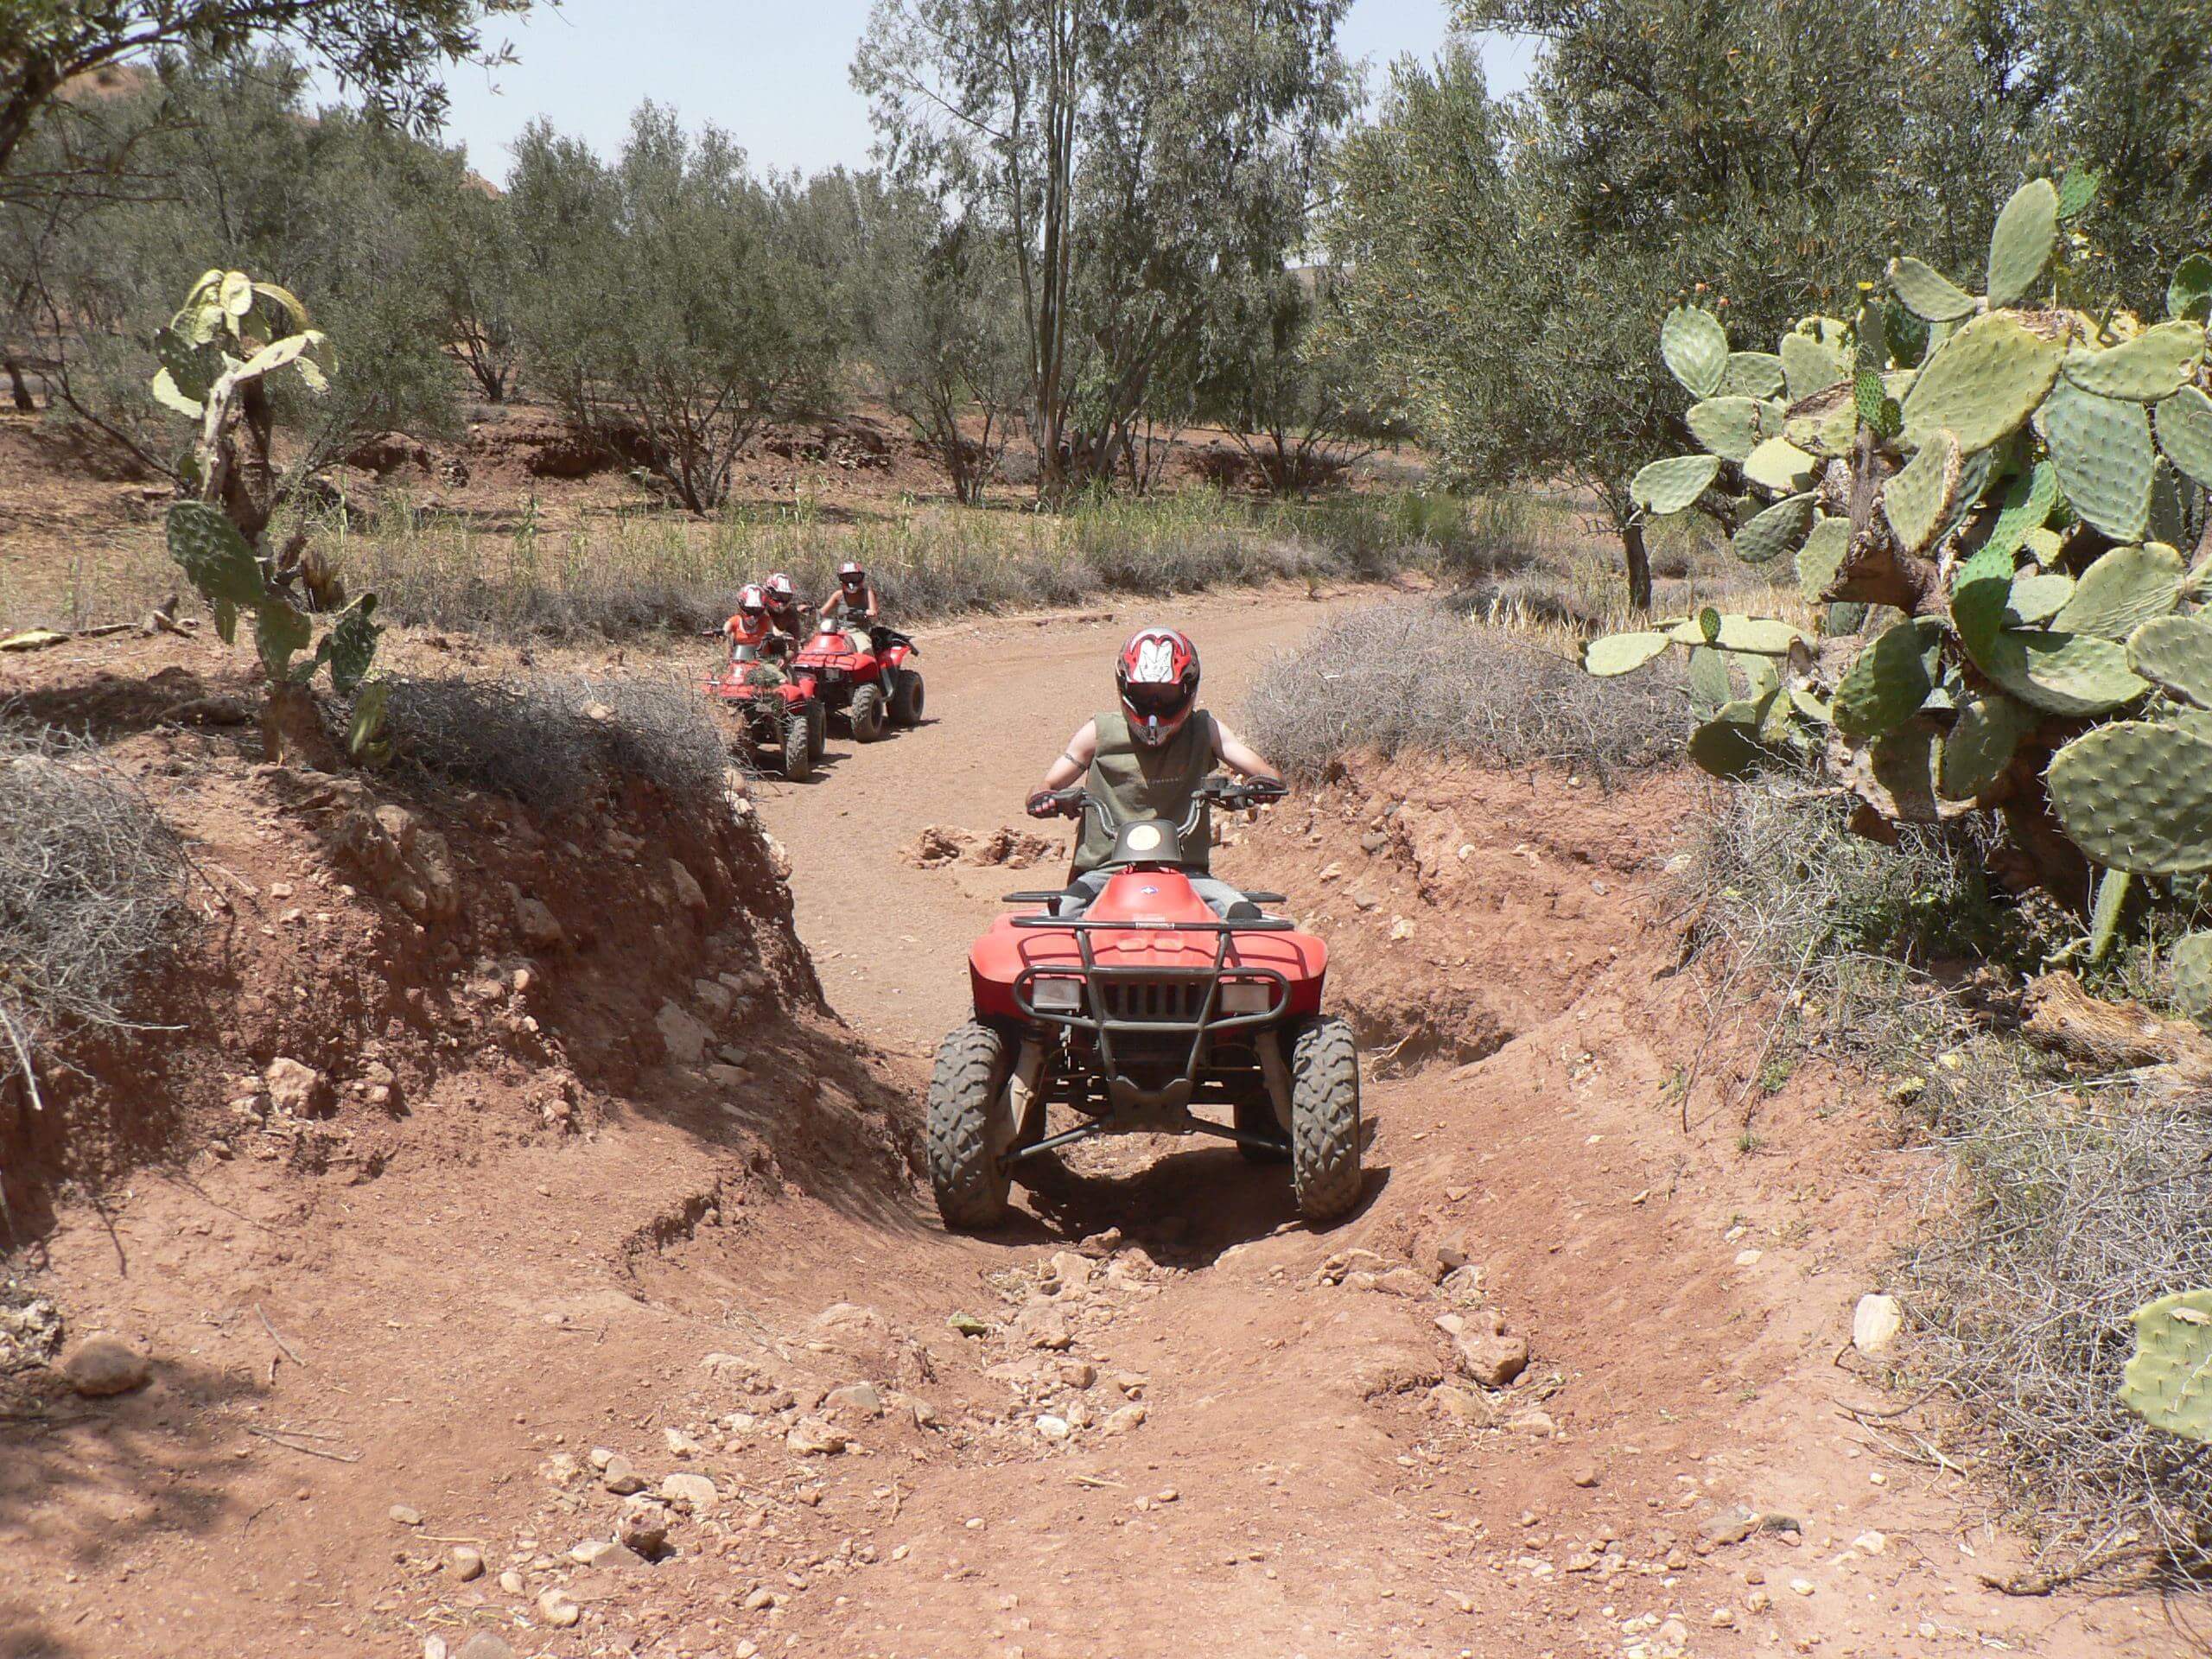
557 743
1421 678
91 881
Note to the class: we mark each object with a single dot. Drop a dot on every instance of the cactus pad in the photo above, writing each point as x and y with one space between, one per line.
1674 485
2168 1381
1980 589
2029 498
1918 496
1927 292
1695 348
1809 366
1983 383
2133 797
1620 653
1888 681
1751 374
1825 423
1725 749
2102 447
2124 588
1709 686
2185 433
2019 247
2037 597
2154 364
1728 427
2061 673
1780 467
214 556
2177 653
2189 295
1988 729
1822 556
2193 977
1779 528
1759 636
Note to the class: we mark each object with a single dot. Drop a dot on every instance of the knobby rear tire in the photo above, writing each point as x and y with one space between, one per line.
906 699
868 714
799 749
1324 1130
965 1091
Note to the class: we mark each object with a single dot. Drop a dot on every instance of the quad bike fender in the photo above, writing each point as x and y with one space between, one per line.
1002 956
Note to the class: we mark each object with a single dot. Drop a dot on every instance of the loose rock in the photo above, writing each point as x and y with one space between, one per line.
467 1563
557 1609
1875 1323
812 1437
644 1528
618 1478
862 1397
687 1491
102 1365
298 1090
484 1645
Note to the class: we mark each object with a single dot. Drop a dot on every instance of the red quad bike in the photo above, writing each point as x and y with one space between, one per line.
872 689
781 715
1143 1009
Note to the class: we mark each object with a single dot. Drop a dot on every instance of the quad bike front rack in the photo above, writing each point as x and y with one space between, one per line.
1105 1016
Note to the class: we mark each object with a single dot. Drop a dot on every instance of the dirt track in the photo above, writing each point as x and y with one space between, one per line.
1304 1476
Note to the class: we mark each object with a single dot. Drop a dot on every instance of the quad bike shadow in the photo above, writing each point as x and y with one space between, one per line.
1148 1014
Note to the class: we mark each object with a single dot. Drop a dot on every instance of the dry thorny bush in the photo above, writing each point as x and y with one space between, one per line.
2063 1203
1422 679
91 880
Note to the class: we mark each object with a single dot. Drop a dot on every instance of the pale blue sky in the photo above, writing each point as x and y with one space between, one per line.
770 75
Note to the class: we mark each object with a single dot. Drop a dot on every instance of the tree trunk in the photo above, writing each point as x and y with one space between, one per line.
22 393
1639 565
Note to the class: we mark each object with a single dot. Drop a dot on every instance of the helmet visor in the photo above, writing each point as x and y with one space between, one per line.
1157 701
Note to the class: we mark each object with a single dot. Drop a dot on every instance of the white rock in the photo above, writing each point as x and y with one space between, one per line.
294 1087
694 1492
686 1036
1875 1323
1053 1428
556 1608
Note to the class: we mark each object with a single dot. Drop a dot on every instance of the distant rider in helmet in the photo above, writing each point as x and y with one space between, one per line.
783 605
852 605
1146 760
752 637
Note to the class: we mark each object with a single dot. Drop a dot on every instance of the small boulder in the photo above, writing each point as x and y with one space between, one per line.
298 1090
685 1035
689 1492
1875 1323
102 1365
618 1478
811 1437
1122 1419
540 928
861 1398
689 893
467 1563
1732 1526
558 1609
605 1552
1494 1362
644 1528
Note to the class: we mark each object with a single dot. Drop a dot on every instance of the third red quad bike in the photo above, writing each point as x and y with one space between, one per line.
872 689
781 715
1143 1009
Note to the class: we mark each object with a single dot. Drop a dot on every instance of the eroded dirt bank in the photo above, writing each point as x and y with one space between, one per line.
1154 1415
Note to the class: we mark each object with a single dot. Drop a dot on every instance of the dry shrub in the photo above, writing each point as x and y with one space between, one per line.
91 882
556 742
1416 677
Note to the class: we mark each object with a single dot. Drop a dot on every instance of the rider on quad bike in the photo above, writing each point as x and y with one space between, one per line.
1147 759
783 605
854 606
752 634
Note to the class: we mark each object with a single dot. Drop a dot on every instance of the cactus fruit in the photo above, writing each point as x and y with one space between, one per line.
1918 496
2020 245
1809 366
2124 588
1981 744
1751 374
2176 651
2168 1381
1822 556
2154 364
2193 977
1674 485
1609 654
1982 384
2133 797
2188 294
1780 467
1728 427
1776 531
1927 292
2184 422
2102 447
1695 348
1888 681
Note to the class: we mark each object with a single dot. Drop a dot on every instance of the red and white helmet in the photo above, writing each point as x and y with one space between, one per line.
781 595
1157 678
850 575
751 603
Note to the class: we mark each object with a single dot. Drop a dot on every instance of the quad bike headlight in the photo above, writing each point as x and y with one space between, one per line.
1056 995
1246 996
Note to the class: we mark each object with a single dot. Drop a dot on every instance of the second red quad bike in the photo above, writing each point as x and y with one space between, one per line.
782 717
1135 1014
873 690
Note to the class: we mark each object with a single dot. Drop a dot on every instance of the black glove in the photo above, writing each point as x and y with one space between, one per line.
1043 804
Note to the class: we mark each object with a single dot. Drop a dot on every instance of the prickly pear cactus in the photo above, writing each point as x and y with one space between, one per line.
2023 481
2168 1382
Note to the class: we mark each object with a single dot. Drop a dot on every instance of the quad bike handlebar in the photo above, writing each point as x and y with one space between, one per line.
1231 794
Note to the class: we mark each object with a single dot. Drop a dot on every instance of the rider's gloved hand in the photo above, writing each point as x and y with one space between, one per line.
1042 806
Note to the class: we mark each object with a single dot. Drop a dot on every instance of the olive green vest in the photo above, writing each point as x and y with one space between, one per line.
1139 782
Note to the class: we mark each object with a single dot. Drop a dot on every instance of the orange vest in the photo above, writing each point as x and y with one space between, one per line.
742 633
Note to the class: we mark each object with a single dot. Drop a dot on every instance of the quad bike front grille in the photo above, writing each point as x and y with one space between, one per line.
1154 1001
